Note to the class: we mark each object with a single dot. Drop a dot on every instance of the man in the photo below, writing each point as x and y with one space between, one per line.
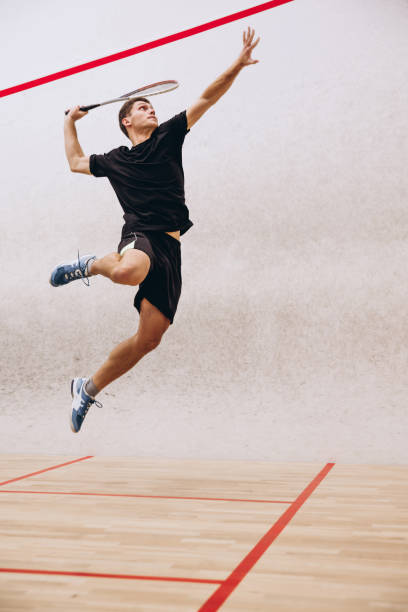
149 182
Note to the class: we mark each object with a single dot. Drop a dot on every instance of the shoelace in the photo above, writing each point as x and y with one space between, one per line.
87 404
84 279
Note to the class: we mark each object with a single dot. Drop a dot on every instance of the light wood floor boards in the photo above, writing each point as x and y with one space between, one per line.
175 531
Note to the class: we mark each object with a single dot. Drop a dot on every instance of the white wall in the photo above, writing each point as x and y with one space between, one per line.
290 342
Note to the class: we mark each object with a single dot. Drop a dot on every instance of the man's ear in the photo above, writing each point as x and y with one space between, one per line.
126 122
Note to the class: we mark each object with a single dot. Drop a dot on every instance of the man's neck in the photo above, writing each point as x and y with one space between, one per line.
141 136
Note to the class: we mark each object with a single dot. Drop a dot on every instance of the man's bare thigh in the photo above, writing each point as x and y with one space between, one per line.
152 320
134 258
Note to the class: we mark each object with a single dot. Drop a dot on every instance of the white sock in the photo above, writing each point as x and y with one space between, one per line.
89 267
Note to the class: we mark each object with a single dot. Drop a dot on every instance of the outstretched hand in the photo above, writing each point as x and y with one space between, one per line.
245 58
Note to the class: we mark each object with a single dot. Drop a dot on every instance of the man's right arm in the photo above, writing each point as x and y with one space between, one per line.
78 161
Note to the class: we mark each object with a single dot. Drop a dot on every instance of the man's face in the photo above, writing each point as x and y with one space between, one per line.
141 116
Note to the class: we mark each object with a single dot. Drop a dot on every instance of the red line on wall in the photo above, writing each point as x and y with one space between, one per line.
11 570
238 574
145 47
54 467
256 501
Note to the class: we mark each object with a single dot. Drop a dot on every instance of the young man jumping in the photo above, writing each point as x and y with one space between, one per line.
149 182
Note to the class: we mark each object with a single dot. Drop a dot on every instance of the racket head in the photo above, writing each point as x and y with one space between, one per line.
148 90
153 89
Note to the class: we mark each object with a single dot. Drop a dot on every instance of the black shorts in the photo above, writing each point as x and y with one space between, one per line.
162 285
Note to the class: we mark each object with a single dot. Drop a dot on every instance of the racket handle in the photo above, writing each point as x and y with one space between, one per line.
87 108
84 108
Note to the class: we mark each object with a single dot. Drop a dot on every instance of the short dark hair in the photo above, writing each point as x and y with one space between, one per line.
125 110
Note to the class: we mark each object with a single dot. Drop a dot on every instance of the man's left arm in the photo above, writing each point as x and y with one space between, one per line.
217 89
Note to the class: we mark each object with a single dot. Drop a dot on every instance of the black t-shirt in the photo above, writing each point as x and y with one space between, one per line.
148 179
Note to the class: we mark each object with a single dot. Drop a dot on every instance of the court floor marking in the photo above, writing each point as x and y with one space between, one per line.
53 467
7 570
227 586
131 495
145 47
216 600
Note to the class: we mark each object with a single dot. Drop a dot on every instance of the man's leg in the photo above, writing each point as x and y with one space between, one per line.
152 325
129 269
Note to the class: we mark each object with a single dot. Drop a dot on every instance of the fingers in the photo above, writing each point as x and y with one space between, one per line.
256 42
75 112
245 55
248 37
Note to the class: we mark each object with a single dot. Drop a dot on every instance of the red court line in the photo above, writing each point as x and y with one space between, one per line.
256 501
54 467
11 570
145 47
238 574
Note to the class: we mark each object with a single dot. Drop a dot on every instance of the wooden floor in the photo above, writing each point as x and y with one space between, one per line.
116 534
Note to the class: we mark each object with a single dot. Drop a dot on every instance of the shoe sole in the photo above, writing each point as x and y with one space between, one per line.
70 412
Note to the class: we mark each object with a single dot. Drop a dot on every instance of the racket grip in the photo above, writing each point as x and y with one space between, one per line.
87 108
84 108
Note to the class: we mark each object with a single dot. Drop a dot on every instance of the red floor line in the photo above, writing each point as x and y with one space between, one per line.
54 467
238 574
145 47
256 501
11 570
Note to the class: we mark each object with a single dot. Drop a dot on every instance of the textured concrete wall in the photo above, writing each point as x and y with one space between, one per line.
290 342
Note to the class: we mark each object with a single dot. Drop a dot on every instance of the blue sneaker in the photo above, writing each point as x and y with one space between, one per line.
80 404
65 273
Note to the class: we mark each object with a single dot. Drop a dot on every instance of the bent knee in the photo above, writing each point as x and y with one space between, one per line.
125 275
150 343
